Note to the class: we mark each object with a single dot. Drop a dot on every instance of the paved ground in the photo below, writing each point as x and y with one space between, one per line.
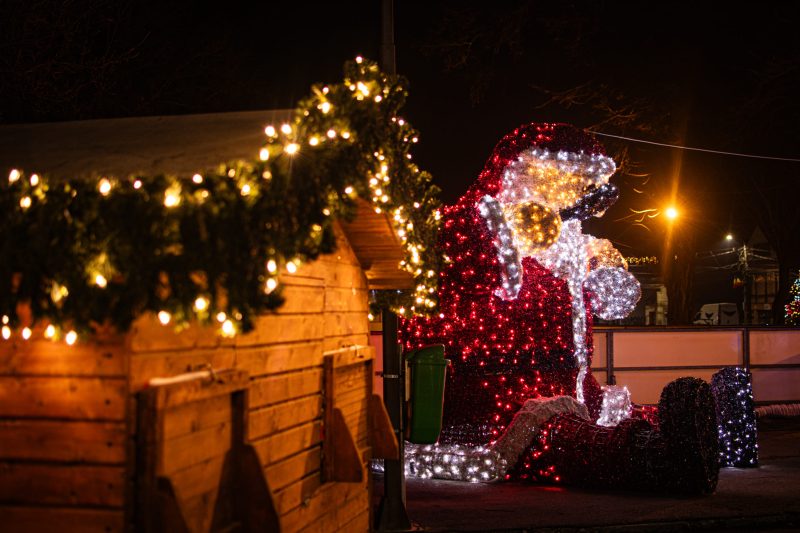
758 499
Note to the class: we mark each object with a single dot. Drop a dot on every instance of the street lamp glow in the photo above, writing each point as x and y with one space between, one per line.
671 213
729 237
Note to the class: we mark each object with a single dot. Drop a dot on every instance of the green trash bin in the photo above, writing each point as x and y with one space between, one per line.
428 370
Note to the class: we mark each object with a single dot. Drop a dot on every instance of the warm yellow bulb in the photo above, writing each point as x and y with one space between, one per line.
100 281
201 304
331 133
270 131
228 329
291 267
348 190
71 338
245 190
25 202
272 266
34 180
221 317
164 317
263 154
197 178
6 332
26 333
286 129
325 107
313 141
137 184
104 186
291 148
13 175
272 283
345 135
50 331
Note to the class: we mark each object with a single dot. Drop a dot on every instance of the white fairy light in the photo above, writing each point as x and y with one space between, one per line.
71 338
49 331
14 175
104 186
26 333
616 405
197 178
164 317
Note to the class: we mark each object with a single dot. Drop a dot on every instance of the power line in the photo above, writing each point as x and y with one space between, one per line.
737 154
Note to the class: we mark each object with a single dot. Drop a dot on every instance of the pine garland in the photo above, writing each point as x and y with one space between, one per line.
83 254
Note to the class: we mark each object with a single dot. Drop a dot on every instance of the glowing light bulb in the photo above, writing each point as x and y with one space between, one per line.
270 131
313 141
34 180
345 135
359 59
331 134
26 333
263 154
6 332
291 148
228 329
71 338
137 184
671 213
25 202
291 267
164 317
348 190
100 281
197 178
50 331
245 191
201 304
728 237
325 107
272 283
104 186
172 196
13 175
286 129
272 267
221 317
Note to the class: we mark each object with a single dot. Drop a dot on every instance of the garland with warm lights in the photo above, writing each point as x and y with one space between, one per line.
84 255
792 309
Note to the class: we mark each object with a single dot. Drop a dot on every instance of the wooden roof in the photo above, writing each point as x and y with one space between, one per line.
182 144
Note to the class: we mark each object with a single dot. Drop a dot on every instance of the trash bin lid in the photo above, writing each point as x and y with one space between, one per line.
432 354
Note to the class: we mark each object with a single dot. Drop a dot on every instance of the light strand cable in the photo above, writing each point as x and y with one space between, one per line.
737 154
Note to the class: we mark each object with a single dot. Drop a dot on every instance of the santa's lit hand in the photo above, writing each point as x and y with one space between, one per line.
613 291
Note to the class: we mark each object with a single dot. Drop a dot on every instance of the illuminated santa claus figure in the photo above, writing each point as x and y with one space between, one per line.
523 280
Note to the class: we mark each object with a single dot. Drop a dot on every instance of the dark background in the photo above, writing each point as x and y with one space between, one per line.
697 74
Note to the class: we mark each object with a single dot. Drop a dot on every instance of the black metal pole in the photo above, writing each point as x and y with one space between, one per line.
392 514
387 37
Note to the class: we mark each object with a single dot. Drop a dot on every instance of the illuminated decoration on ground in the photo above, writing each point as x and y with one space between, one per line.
164 243
492 462
736 417
516 324
645 260
792 309
680 456
616 406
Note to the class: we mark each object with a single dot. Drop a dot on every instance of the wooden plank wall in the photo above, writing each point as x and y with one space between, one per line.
326 309
62 436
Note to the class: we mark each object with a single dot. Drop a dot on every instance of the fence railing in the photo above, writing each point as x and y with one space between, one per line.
645 359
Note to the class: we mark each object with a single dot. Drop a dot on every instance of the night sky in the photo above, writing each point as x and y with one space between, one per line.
688 73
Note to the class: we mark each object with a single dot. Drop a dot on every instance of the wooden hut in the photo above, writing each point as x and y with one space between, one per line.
270 430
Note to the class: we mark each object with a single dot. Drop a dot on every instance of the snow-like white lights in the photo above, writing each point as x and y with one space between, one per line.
508 255
616 406
614 292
